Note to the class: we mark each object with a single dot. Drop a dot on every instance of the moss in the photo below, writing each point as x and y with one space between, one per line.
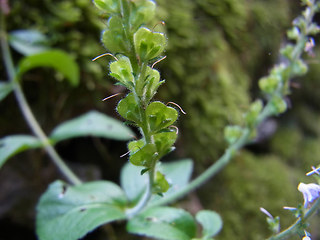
70 25
248 183
209 65
296 148
286 142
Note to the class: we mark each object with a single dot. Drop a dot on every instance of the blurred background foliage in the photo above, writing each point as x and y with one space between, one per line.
217 51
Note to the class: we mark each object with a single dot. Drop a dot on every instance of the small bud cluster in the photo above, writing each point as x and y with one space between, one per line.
276 85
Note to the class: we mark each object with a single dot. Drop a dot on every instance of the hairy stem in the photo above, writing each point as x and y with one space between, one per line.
26 111
298 224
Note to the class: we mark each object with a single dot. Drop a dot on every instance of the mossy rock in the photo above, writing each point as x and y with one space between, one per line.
248 183
286 143
210 67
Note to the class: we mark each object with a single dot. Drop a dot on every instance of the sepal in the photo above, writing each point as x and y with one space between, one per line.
122 71
114 38
148 45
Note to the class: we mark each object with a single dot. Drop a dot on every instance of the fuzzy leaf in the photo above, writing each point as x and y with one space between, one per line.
94 124
12 145
70 212
211 223
160 116
56 59
163 223
28 42
5 89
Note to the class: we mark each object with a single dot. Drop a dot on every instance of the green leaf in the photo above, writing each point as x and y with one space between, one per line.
163 223
70 212
28 42
160 116
128 109
132 182
160 184
177 173
149 44
5 89
94 124
12 145
56 59
109 6
211 223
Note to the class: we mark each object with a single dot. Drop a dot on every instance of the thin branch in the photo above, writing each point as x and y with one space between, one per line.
26 111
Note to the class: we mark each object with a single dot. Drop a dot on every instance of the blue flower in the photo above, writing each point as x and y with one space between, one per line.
310 192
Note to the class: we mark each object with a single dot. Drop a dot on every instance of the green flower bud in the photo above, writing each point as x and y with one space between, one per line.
152 83
232 133
300 22
253 113
149 45
160 116
128 108
293 33
134 146
114 38
287 51
122 71
160 185
278 104
143 156
299 68
313 29
269 84
142 12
